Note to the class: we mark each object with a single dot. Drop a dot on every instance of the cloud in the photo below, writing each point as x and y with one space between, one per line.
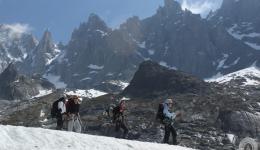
202 7
16 30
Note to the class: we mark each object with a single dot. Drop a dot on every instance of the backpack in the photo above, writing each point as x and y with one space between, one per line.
109 110
160 116
116 112
54 108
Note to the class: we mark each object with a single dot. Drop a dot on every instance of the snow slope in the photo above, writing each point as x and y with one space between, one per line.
22 138
251 76
90 93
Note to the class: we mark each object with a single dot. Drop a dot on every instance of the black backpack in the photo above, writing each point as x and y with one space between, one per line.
116 112
160 116
54 108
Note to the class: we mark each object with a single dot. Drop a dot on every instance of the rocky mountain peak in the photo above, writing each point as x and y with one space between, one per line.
96 23
131 22
171 4
47 35
46 42
239 10
10 74
132 27
41 56
16 86
152 79
95 26
171 7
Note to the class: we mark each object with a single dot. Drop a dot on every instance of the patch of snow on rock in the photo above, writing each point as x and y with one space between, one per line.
95 67
43 93
91 93
54 79
151 52
95 93
222 61
142 45
119 83
253 45
162 63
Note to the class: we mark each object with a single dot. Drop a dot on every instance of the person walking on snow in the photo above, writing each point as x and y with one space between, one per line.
58 111
119 117
74 122
168 121
61 113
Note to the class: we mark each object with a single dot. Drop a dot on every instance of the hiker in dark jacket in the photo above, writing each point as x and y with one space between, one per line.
168 121
74 122
119 117
61 112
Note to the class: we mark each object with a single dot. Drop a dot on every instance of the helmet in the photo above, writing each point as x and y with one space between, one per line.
123 100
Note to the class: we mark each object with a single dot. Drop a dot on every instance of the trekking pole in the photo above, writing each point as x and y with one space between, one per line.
80 120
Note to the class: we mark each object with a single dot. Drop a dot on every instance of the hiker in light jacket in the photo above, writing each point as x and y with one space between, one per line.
168 122
61 113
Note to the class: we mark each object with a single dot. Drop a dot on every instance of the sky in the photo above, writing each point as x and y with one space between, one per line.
62 16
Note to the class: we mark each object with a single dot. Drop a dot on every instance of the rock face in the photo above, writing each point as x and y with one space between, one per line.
41 57
94 54
243 124
202 106
223 43
153 79
18 87
185 41
240 19
173 37
15 46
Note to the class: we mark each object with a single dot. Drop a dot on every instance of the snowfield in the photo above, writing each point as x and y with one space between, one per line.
55 80
90 93
22 138
251 76
43 93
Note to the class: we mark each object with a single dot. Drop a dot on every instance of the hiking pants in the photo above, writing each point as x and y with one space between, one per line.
120 124
74 124
59 122
169 129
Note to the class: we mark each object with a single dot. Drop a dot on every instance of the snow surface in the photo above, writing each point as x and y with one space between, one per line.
43 93
95 93
78 92
95 67
162 63
142 45
234 63
151 52
222 61
52 58
22 138
119 83
234 31
249 74
144 58
231 137
91 93
253 45
55 80
87 78
103 33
